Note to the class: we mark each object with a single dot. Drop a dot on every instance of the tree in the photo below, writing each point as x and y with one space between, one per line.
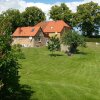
32 16
88 18
61 12
73 40
54 44
10 18
9 78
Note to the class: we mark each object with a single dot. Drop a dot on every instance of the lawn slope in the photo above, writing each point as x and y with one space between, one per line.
61 77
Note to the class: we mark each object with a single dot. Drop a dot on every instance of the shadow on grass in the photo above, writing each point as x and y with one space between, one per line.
82 53
23 93
55 55
77 52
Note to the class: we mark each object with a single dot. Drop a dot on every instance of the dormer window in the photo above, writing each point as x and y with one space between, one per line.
51 27
32 30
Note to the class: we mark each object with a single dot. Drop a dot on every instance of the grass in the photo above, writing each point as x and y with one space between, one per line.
61 77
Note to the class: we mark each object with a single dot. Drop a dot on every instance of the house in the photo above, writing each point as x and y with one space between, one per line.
29 36
52 28
39 34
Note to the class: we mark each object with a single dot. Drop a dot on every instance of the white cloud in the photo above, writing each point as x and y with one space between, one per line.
45 7
73 5
16 4
97 1
21 5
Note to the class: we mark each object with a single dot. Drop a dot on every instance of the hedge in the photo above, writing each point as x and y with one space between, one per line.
92 39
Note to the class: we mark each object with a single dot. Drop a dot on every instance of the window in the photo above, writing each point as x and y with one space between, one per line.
32 30
39 39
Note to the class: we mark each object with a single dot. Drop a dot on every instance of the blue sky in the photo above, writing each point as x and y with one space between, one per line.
52 1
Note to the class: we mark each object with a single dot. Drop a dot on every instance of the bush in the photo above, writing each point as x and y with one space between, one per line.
17 51
54 44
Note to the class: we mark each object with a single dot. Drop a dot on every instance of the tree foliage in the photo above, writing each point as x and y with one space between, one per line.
32 16
13 18
10 18
88 18
73 39
54 44
9 66
18 52
61 12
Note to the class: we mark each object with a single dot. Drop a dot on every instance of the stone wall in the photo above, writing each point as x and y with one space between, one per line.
24 41
40 40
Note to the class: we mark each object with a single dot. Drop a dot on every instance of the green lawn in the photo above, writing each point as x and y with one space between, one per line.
62 78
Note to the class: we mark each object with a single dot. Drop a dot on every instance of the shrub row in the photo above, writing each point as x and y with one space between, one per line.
92 39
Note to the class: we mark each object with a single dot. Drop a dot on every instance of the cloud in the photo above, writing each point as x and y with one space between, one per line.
73 5
96 1
16 4
22 4
43 6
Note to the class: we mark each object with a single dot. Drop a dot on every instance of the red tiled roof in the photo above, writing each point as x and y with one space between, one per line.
53 26
47 27
26 31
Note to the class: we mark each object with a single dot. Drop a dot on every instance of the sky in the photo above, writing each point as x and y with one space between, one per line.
51 1
45 5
